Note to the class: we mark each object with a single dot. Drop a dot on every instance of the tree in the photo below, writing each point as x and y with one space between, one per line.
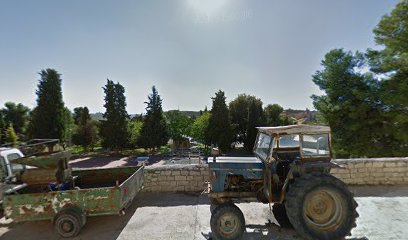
17 115
114 129
69 126
179 125
351 105
391 64
242 119
273 115
255 119
86 132
135 126
154 132
219 130
77 114
11 136
199 129
2 129
48 119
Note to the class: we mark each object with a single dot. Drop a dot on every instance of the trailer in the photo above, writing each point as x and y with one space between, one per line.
51 190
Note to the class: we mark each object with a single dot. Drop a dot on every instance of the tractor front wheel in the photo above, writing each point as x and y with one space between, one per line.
227 222
320 206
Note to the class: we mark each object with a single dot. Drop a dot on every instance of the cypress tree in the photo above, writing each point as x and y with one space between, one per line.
114 130
49 117
154 132
219 130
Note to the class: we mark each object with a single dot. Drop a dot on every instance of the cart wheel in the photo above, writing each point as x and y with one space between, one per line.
68 223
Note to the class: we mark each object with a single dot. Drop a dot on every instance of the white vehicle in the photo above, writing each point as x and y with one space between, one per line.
8 169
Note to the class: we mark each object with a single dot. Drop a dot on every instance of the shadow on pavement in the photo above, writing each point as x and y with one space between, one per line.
269 231
96 228
171 199
380 191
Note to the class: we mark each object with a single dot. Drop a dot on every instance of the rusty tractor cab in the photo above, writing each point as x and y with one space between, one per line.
291 170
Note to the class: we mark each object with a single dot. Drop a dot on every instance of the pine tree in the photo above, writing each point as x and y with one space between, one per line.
16 114
154 132
351 105
219 130
49 117
114 129
391 62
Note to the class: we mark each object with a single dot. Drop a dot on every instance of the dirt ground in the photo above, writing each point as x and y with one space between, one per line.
111 161
102 162
383 215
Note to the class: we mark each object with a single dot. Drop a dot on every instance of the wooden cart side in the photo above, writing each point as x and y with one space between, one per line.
107 176
44 206
131 187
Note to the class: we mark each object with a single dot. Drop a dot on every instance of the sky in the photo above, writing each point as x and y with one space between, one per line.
188 49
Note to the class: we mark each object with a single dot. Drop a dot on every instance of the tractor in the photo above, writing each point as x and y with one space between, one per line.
291 171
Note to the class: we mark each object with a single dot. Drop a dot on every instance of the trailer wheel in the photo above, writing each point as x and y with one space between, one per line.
68 223
227 222
320 206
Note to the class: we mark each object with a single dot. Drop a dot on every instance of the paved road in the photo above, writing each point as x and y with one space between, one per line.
154 216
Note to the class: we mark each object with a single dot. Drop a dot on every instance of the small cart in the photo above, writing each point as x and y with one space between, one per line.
51 190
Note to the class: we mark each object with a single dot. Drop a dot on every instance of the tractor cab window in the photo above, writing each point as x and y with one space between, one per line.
262 145
289 141
316 145
288 148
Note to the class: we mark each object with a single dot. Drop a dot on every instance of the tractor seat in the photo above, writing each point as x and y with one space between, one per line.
289 154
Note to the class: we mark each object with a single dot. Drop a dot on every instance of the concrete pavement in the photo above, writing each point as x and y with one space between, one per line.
383 215
160 216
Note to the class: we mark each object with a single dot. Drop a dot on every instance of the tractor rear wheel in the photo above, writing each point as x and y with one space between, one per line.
227 222
320 206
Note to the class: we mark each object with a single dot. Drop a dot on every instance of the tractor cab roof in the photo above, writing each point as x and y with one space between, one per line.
294 129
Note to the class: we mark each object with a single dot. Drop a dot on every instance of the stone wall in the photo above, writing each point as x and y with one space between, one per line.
176 178
192 178
372 171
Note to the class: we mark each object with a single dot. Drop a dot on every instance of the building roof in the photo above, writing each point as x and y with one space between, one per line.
295 129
